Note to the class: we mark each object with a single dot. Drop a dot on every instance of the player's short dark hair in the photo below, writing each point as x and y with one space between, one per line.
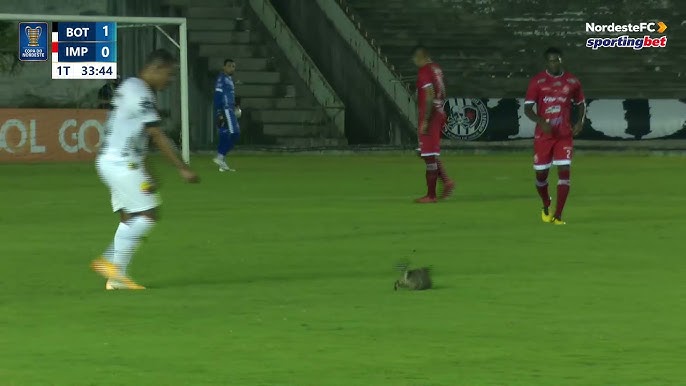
160 57
227 61
552 51
418 48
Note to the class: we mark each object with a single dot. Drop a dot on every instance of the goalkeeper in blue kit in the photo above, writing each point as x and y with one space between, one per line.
226 114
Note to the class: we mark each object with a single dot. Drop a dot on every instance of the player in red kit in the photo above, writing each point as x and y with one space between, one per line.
432 118
554 92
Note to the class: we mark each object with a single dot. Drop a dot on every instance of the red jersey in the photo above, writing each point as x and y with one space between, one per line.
430 74
553 96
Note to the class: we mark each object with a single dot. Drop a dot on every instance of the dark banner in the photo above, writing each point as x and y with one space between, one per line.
606 119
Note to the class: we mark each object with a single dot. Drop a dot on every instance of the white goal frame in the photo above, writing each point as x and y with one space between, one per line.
182 44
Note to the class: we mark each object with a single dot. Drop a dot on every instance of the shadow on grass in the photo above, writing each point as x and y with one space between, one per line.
384 281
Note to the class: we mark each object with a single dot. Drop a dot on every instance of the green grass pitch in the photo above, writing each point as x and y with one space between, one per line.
281 275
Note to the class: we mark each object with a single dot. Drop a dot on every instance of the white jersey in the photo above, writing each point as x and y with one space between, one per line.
134 108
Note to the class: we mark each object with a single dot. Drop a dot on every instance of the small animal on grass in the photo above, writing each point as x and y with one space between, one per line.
413 279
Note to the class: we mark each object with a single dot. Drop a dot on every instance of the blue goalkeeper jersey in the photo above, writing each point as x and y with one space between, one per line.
224 93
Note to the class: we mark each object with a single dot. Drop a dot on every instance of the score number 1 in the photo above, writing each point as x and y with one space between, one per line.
106 32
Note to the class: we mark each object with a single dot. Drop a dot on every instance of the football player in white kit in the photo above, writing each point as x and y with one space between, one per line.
120 163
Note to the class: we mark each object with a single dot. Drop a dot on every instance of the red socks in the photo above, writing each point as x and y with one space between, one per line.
562 191
431 176
442 174
542 186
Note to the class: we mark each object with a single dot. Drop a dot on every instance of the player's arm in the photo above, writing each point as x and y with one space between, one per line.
165 145
229 99
429 96
152 185
529 102
580 102
530 113
237 107
219 101
425 83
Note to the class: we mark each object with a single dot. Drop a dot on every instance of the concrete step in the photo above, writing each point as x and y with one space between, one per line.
218 24
258 77
230 50
202 3
214 12
258 91
269 103
300 116
292 130
305 143
226 37
243 64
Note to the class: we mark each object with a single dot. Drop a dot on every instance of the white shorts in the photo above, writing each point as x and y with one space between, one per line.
127 187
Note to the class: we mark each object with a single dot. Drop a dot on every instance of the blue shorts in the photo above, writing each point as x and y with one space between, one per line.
230 124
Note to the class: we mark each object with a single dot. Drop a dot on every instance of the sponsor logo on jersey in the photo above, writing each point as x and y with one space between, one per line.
467 118
555 109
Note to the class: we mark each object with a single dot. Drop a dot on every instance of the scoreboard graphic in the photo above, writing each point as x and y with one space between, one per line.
79 50
84 50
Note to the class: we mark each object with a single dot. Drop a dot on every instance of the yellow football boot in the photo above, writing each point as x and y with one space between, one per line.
557 221
546 217
104 268
123 283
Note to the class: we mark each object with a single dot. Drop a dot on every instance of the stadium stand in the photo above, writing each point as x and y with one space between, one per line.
487 51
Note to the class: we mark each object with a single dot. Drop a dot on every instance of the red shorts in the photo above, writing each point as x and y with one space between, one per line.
430 144
552 151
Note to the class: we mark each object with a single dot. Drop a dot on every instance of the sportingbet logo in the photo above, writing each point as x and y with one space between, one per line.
626 41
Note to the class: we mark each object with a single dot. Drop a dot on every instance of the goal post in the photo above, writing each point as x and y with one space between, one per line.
134 21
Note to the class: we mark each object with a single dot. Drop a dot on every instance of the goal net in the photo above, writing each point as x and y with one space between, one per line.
45 119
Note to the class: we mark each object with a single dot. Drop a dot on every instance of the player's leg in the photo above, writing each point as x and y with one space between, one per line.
234 134
224 142
104 265
562 159
448 184
429 149
543 158
127 239
137 208
120 248
140 208
108 254
223 149
431 176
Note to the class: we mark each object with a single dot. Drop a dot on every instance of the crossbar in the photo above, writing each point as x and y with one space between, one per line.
116 19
